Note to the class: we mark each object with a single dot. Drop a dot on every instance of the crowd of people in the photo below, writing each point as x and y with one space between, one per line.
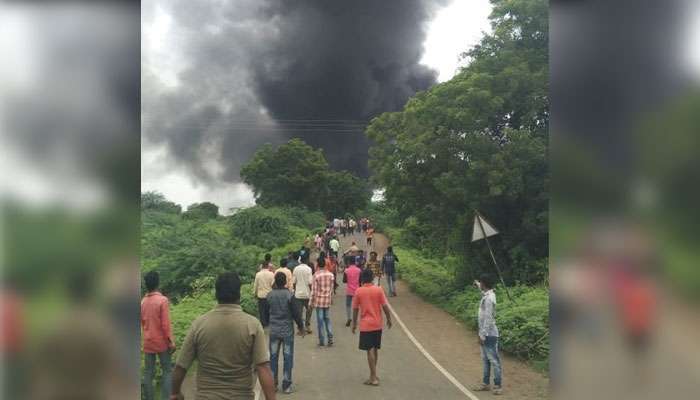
229 344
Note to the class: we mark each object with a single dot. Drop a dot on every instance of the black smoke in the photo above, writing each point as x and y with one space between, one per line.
265 71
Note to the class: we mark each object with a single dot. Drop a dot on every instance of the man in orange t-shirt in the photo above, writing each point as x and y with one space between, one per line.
368 302
157 336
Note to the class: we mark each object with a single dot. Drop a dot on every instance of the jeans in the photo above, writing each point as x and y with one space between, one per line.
149 375
324 325
489 355
263 308
348 306
288 345
391 283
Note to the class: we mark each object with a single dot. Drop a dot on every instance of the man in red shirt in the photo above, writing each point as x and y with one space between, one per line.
157 337
368 302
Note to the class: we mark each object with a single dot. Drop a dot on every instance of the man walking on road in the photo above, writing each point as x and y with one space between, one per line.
282 315
262 287
369 301
228 345
351 277
157 337
321 292
376 267
302 290
389 268
488 336
334 245
288 274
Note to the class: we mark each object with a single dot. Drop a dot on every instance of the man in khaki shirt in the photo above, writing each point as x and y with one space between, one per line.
228 345
261 288
288 273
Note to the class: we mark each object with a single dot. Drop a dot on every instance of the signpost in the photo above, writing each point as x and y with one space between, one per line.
482 230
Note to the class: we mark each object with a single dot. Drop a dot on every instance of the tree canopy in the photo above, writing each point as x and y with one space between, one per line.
296 174
478 141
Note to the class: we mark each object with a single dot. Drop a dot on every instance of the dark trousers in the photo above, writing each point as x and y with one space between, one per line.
263 311
303 305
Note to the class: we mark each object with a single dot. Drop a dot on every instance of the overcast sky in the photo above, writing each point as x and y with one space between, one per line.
451 30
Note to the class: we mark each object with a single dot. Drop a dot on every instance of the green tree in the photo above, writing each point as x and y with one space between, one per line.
156 201
296 174
204 210
478 141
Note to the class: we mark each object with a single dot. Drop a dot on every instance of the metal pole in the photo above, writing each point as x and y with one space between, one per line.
483 232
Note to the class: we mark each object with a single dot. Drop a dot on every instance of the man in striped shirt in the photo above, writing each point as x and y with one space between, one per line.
321 292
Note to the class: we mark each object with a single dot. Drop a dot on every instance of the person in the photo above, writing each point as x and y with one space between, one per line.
228 345
261 287
302 290
334 245
321 289
488 336
352 250
360 259
157 335
389 268
267 263
282 312
319 241
352 224
292 260
376 268
368 302
332 267
351 278
287 272
369 232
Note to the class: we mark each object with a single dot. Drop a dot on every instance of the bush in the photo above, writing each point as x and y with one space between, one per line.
523 323
260 226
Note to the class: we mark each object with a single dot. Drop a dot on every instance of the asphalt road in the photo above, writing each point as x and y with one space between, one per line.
405 371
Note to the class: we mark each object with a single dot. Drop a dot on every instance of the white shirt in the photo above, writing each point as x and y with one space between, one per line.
302 276
487 315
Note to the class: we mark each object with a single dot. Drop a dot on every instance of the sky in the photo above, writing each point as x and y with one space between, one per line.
453 27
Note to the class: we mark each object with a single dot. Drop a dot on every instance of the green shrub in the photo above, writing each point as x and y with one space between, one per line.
260 226
523 323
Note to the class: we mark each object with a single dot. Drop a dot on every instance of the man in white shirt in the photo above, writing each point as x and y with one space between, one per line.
303 276
488 336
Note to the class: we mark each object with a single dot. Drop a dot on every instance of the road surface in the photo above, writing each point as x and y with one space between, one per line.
405 371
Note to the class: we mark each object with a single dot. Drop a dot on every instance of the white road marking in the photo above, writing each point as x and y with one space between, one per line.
430 358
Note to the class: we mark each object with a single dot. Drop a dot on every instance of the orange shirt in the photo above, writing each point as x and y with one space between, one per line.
155 323
369 299
370 231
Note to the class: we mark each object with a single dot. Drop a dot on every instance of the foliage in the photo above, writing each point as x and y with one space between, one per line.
268 227
156 201
204 210
186 251
523 323
295 174
478 141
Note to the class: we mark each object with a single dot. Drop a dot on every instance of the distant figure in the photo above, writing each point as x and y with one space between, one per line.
334 246
267 263
318 240
351 278
302 290
292 260
352 250
488 336
376 267
360 259
283 312
321 296
368 302
157 337
389 268
228 345
369 232
261 288
287 272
